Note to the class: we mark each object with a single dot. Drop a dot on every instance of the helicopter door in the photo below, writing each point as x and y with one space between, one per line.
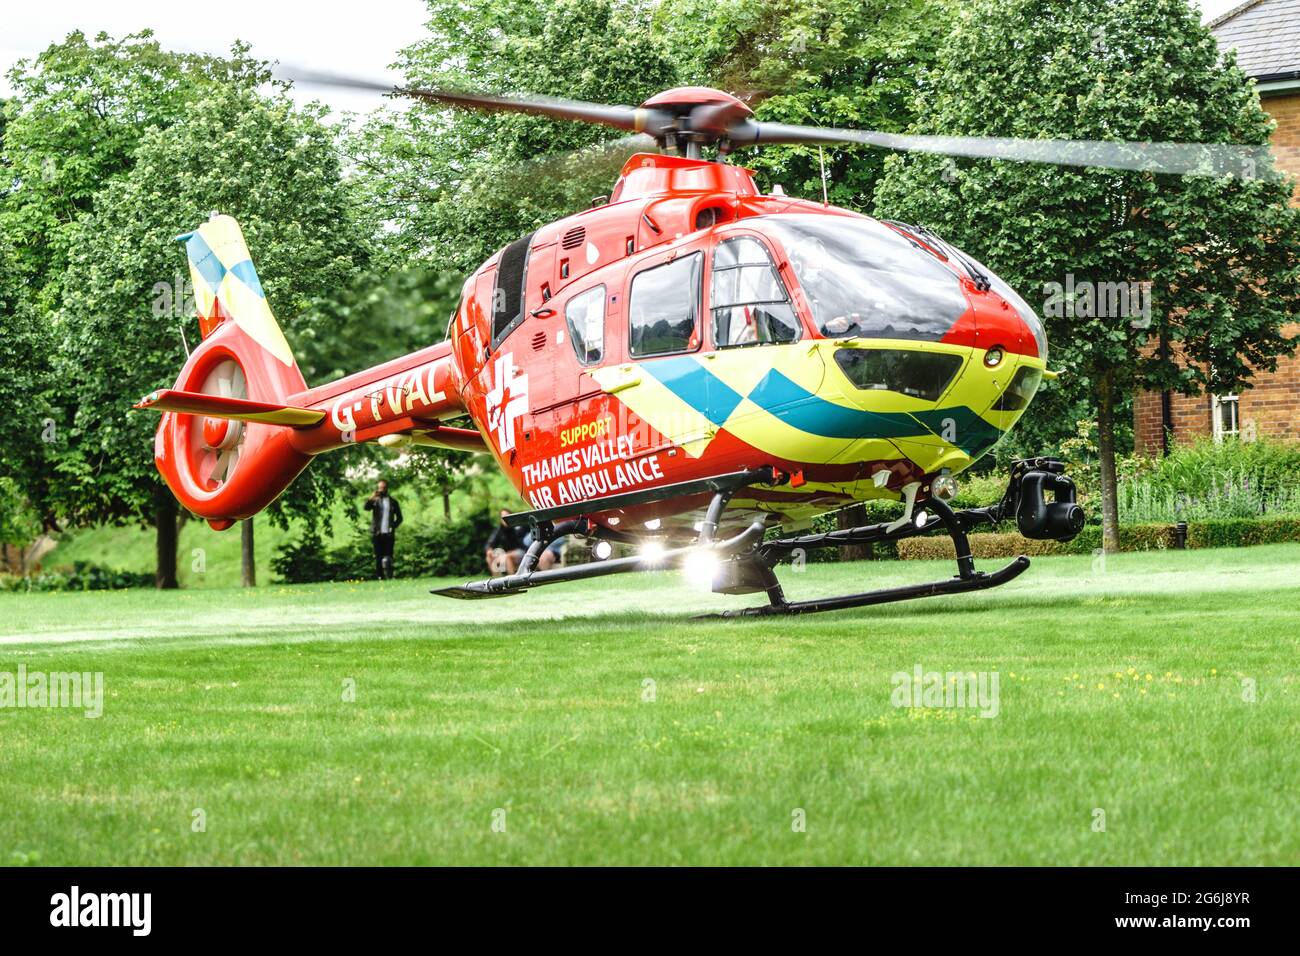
574 414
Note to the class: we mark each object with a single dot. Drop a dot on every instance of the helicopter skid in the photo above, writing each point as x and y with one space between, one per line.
745 563
977 582
524 579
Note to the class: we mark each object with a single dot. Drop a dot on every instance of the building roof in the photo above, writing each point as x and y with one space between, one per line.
1266 35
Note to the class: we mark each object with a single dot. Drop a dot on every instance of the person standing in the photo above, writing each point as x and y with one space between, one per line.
385 516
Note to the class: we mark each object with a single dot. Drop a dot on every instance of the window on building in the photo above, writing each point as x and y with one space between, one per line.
663 313
749 303
1226 421
585 316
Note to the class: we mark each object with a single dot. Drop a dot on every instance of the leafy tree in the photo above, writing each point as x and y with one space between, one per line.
73 125
25 382
454 186
849 63
445 189
77 113
1220 254
273 168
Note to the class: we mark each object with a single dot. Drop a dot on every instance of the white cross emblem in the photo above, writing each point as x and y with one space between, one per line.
507 400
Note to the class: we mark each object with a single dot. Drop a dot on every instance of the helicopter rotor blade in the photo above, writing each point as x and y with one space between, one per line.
656 123
1203 159
726 125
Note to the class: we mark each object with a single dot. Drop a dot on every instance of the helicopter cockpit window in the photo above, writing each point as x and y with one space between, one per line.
508 299
585 316
749 303
664 308
862 279
1021 390
923 375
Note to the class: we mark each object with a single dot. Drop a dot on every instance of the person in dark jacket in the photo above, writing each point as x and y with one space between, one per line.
505 547
385 516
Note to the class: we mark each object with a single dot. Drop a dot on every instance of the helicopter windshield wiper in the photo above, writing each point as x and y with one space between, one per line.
926 239
913 235
978 275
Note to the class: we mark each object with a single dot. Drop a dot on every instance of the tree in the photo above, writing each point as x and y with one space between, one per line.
852 63
445 189
77 113
1219 254
272 167
26 380
452 187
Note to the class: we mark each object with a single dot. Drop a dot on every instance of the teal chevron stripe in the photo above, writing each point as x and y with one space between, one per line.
777 395
796 406
971 433
782 398
696 386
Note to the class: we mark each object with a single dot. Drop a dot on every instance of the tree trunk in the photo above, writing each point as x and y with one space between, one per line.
1106 454
852 517
248 560
166 513
446 504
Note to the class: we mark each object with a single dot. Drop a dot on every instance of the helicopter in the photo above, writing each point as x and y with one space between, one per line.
691 368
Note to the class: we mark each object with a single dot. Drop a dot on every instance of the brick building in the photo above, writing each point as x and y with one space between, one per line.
1266 36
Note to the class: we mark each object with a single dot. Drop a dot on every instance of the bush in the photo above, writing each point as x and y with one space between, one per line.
976 491
1227 533
994 544
80 576
1212 480
305 560
445 549
1237 533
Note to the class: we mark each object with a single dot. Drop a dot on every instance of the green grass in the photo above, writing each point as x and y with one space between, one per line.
232 701
205 558
211 559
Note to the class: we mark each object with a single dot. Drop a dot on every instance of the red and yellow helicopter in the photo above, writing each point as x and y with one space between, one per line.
683 368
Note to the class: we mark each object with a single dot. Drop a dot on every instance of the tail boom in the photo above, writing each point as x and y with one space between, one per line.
240 423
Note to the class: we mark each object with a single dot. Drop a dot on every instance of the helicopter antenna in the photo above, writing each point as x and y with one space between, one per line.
821 158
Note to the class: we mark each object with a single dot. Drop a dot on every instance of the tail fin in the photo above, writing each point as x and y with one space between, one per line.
222 444
226 287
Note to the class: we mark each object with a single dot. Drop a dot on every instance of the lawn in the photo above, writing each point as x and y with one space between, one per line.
599 723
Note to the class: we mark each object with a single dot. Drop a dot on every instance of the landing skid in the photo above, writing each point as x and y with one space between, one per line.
745 563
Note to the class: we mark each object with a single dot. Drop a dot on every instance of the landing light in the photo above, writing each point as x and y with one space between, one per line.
652 552
602 550
700 569
944 487
921 519
652 524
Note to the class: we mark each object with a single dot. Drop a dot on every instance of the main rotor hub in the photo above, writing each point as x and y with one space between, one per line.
696 115
681 100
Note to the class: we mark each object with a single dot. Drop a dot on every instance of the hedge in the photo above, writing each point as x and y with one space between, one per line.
81 576
1220 533
441 549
